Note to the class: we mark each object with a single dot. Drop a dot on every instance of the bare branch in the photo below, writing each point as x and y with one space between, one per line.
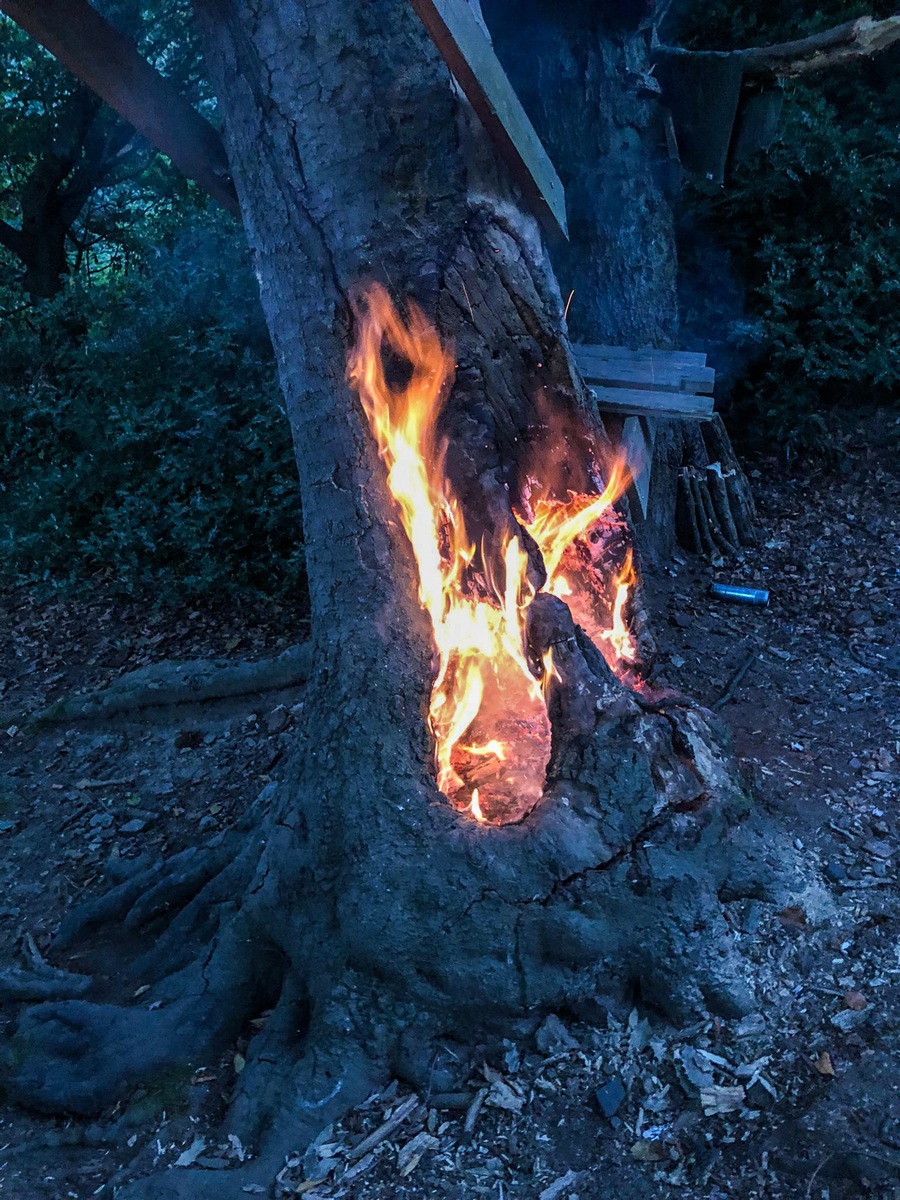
821 51
818 52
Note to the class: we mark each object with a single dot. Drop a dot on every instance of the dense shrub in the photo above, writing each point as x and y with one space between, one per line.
806 239
142 433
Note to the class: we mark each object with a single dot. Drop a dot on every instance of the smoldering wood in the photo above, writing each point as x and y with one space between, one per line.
108 62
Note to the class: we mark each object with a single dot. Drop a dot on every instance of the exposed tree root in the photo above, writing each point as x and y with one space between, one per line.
643 840
18 984
167 684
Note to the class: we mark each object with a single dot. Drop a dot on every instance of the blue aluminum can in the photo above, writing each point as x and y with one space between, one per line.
739 595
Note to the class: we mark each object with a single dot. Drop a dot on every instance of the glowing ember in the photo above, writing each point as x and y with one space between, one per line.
487 709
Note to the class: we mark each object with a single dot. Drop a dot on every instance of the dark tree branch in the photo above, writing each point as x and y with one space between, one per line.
108 63
832 48
818 52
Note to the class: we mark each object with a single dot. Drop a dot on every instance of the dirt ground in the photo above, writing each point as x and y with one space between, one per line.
800 1099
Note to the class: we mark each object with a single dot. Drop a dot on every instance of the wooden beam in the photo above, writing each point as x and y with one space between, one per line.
686 358
632 402
467 51
109 63
657 377
638 439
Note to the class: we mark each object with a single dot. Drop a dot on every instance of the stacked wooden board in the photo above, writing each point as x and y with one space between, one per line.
636 387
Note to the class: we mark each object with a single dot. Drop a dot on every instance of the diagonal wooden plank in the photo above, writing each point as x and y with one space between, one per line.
109 63
467 51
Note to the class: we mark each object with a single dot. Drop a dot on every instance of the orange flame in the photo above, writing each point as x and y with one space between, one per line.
619 636
485 700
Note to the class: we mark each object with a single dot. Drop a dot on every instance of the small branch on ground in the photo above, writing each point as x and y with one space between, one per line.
735 681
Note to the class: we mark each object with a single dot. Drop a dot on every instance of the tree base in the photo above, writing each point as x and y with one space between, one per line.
417 925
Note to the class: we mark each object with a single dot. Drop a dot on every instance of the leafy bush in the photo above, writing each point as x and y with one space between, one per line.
142 433
809 234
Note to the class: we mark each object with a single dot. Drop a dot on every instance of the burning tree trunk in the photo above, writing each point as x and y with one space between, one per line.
371 912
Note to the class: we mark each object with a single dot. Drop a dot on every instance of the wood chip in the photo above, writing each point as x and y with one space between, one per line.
384 1131
556 1189
721 1100
409 1156
501 1095
474 1109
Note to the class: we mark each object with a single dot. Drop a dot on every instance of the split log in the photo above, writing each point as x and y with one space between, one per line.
715 512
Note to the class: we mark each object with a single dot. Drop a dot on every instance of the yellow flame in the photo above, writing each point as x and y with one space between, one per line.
475 807
619 636
484 681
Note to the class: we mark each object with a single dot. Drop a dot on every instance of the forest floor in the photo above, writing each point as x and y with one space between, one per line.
801 1099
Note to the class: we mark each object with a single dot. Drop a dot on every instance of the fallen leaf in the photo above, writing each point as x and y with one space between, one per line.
647 1150
793 917
823 1064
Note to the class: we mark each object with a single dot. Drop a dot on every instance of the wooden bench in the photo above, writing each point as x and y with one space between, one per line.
633 388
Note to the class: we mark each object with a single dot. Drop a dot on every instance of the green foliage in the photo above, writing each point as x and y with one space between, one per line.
142 434
70 167
812 231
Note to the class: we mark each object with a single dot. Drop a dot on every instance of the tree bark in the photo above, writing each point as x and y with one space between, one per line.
583 73
354 899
